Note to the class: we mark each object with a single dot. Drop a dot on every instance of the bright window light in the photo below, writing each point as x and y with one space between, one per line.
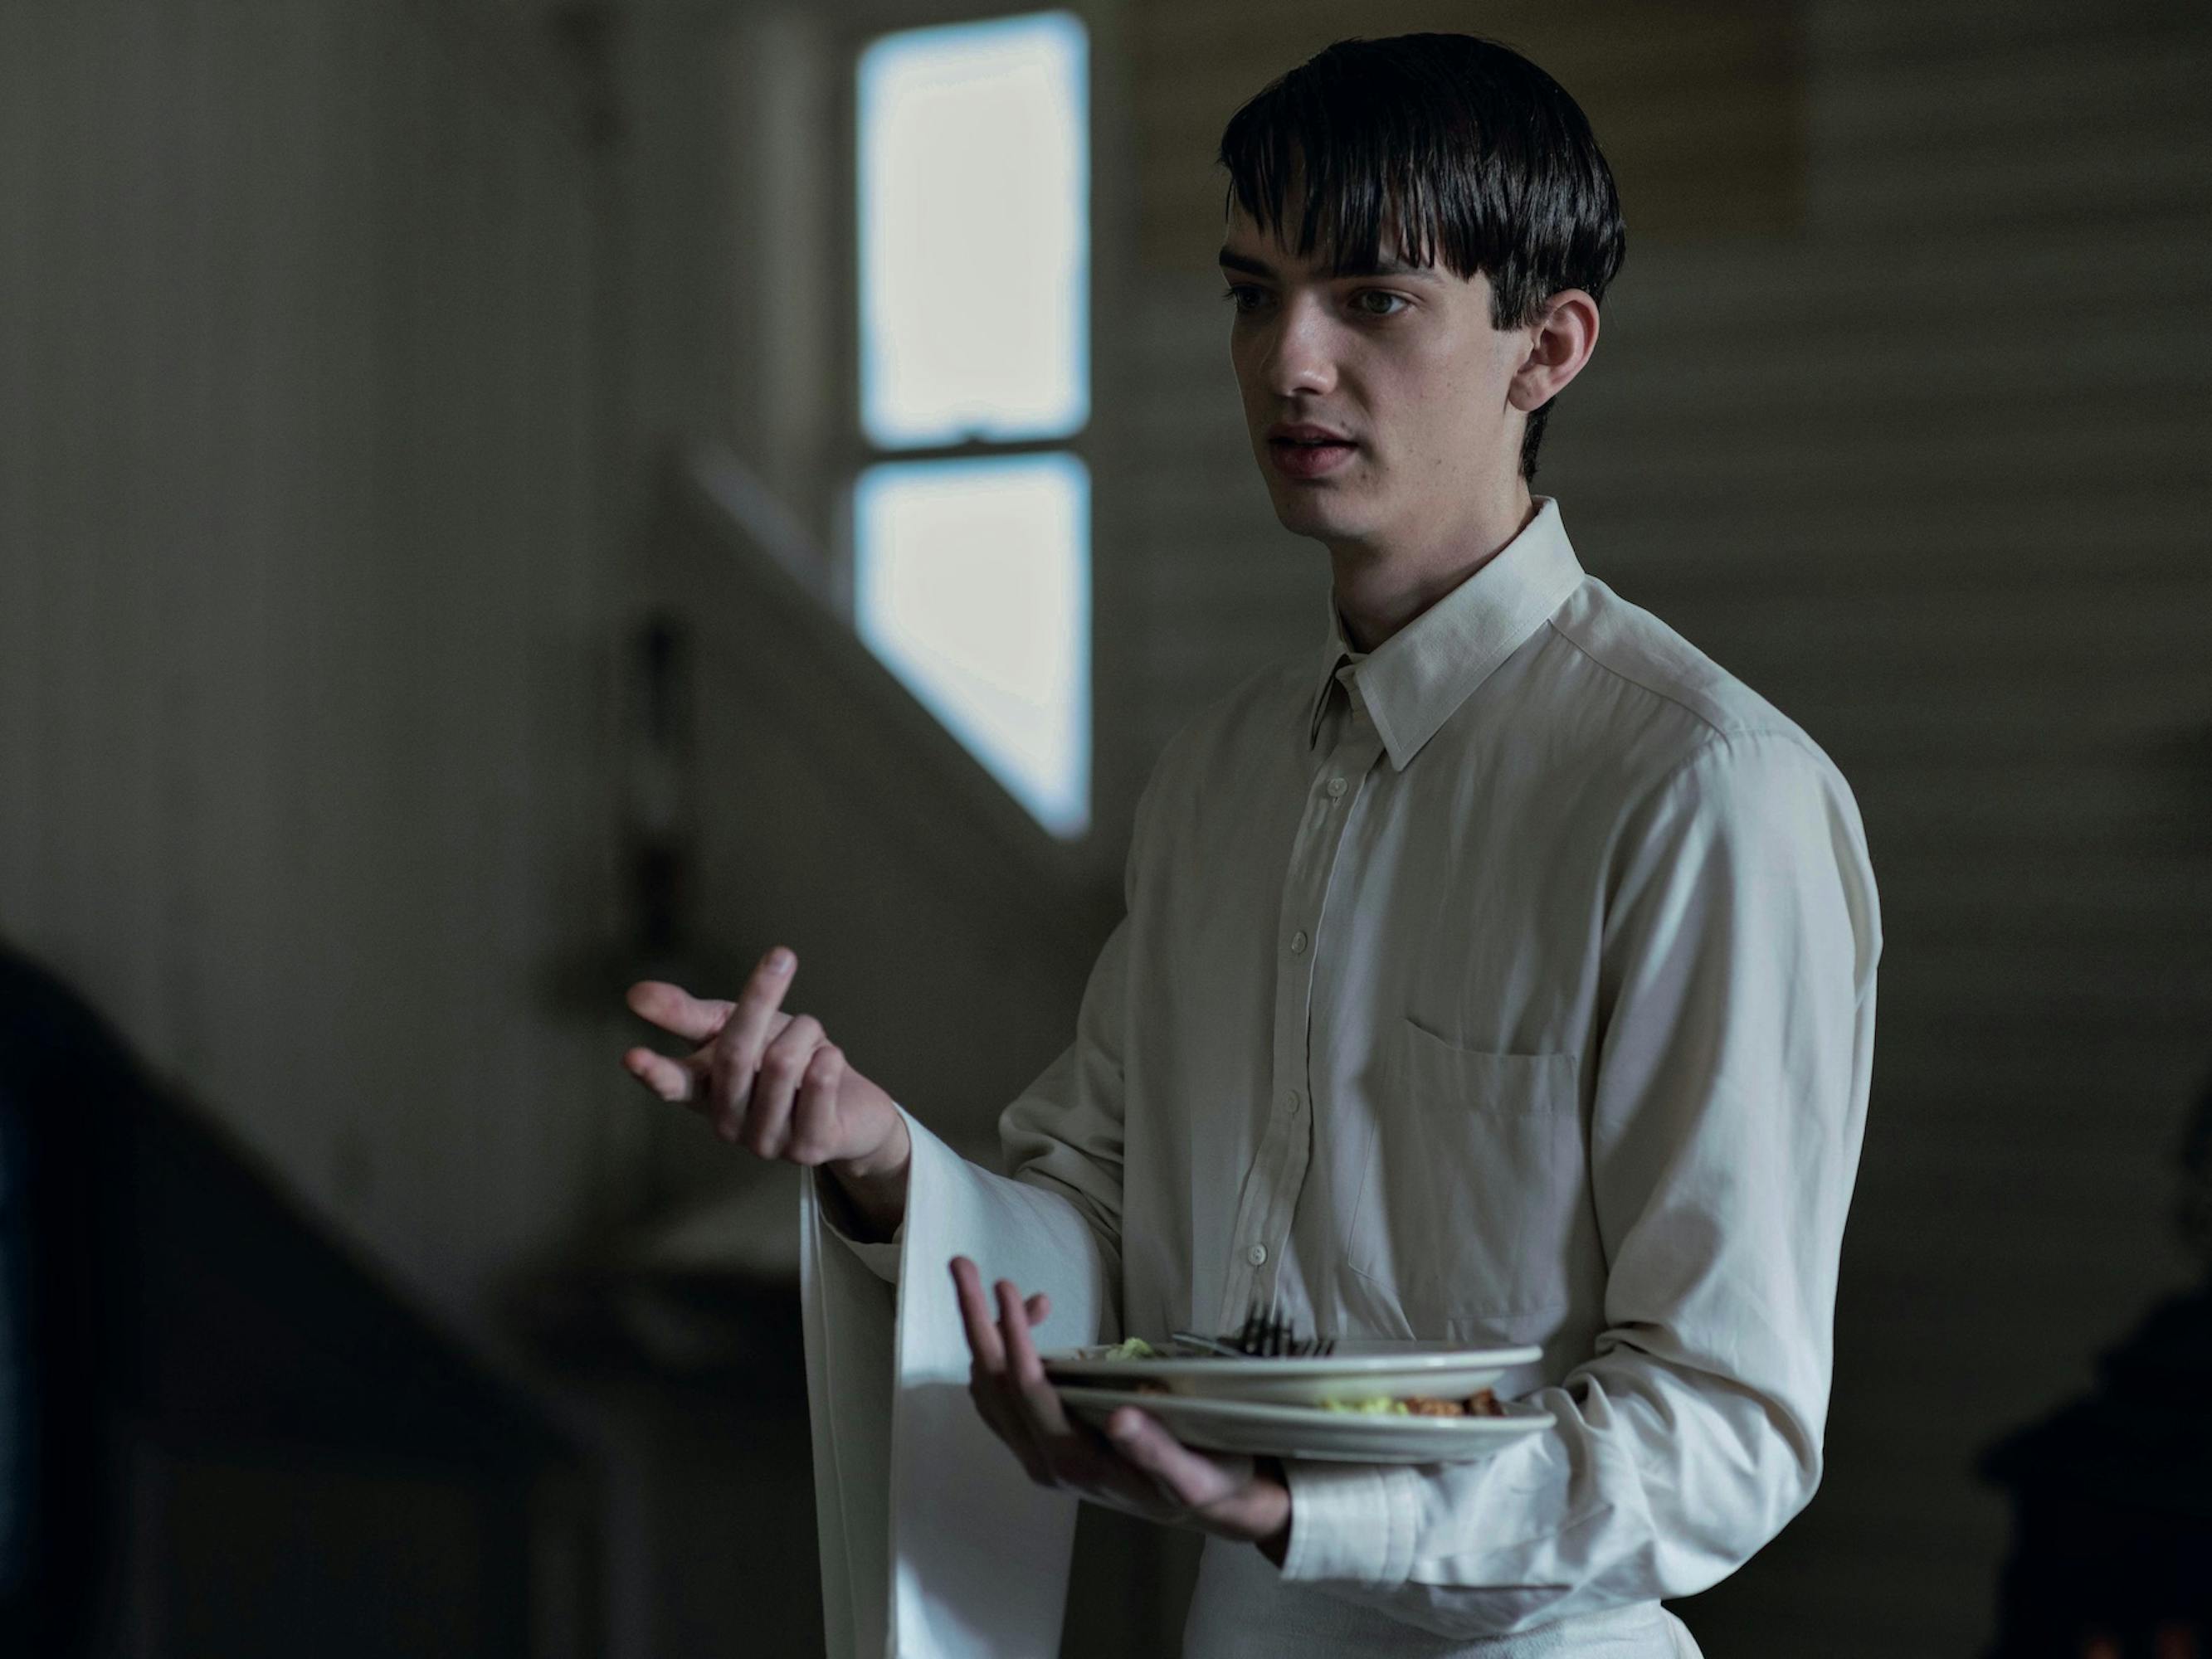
972 583
973 233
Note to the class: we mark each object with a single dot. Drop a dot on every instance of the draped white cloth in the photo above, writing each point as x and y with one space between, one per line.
935 1544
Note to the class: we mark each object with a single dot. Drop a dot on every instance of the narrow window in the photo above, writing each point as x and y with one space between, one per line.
971 514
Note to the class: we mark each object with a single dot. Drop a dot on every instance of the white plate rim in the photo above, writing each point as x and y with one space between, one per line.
1516 1418
1070 1362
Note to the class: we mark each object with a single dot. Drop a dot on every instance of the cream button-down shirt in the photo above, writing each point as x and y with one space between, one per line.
1513 983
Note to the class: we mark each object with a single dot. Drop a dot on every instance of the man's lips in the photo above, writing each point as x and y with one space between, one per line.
1309 460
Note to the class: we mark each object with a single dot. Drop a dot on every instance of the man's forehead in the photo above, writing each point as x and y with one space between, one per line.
1245 247
1253 256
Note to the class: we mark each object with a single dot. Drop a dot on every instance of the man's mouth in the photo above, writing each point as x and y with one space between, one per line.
1301 458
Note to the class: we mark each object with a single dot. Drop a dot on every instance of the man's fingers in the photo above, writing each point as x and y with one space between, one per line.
775 1086
698 1019
813 1138
1022 1362
671 1079
989 1354
674 1009
1146 1470
738 1046
988 1385
1072 1452
1182 1474
1035 1422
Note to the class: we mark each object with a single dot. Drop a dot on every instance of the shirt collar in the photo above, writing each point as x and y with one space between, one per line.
1413 681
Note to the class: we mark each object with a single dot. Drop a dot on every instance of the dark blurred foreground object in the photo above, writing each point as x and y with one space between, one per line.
219 1433
2111 1552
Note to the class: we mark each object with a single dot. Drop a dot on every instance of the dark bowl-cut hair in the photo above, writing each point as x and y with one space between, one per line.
1478 157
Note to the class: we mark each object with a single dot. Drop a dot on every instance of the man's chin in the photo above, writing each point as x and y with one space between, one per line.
1313 513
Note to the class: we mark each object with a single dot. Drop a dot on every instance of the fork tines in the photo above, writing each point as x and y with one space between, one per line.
1266 1336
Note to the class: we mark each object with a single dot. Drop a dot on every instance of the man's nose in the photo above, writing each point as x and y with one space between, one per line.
1301 354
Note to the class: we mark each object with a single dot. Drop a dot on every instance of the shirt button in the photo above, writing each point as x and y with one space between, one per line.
1337 785
1292 1100
1256 1254
1297 945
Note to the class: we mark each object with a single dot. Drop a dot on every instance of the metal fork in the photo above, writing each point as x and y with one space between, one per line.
1268 1336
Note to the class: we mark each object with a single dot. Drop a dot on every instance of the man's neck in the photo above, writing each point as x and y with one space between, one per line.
1381 587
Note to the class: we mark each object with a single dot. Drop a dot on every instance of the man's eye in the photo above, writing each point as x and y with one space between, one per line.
1237 291
1397 301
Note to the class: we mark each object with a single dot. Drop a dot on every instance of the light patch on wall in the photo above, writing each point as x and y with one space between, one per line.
971 582
974 232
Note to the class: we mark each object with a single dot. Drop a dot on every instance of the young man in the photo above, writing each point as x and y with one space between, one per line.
1504 975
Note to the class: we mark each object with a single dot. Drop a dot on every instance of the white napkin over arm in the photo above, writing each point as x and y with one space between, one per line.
934 1542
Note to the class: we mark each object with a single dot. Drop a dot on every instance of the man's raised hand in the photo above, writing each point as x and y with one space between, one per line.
770 1081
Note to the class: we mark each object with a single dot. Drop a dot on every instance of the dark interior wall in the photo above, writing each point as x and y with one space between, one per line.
304 773
221 1431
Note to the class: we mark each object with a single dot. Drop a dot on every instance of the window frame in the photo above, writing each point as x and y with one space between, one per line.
850 451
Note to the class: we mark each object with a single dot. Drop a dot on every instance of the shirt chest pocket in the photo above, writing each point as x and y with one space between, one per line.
1475 1182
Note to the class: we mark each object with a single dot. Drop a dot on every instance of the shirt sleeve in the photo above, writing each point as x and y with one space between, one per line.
1735 1023
881 1257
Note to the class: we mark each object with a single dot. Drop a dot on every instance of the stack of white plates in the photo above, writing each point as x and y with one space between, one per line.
1280 1406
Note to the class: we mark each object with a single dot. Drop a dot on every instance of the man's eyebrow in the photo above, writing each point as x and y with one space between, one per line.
1382 268
1347 268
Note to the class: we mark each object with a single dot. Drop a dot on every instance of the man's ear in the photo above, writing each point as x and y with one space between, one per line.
1559 341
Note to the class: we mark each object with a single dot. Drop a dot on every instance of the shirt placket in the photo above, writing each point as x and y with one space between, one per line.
1271 1190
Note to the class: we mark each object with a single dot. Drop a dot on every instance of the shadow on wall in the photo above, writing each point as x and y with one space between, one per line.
219 1433
2112 1494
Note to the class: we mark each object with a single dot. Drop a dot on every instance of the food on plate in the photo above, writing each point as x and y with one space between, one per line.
1135 1348
1481 1403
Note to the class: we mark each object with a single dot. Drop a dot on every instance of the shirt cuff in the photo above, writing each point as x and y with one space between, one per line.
881 1259
1351 1520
